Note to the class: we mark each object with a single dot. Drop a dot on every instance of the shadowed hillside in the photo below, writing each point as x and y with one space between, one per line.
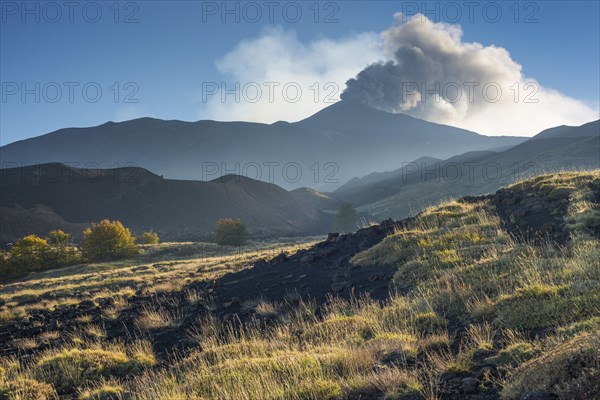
423 182
176 209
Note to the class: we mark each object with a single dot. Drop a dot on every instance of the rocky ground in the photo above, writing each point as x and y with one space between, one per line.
308 274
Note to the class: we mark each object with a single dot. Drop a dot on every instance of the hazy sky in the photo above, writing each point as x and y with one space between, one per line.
169 59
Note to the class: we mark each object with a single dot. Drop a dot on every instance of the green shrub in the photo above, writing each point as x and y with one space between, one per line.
149 238
28 253
60 252
33 253
107 241
231 232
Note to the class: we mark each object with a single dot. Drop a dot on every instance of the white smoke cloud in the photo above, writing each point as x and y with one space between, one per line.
277 58
432 74
386 66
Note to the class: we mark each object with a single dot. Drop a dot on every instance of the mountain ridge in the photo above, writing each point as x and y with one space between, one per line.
56 194
422 185
328 148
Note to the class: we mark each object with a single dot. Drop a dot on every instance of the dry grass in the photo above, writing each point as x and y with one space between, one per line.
157 318
481 336
157 271
64 369
470 292
26 343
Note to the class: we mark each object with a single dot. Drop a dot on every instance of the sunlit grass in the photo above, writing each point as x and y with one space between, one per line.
469 294
152 273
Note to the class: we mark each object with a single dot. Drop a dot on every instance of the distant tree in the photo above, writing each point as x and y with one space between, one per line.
61 252
107 240
27 254
149 238
32 253
231 232
346 219
58 239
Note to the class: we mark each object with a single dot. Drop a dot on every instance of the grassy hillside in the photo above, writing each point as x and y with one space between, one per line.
475 313
423 183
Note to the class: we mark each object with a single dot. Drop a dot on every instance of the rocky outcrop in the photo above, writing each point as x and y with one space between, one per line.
532 215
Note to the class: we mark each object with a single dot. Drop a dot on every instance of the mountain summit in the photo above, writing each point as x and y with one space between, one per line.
344 140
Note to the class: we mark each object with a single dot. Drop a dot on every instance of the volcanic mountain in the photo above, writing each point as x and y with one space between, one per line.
344 140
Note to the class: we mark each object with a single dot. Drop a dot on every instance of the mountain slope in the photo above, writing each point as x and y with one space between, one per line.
343 140
421 184
320 201
356 183
176 209
563 131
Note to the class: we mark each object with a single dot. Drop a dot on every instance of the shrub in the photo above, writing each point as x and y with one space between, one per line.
28 253
149 238
231 232
58 239
32 253
60 252
107 241
25 256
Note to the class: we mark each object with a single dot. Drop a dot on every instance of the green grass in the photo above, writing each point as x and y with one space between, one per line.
513 354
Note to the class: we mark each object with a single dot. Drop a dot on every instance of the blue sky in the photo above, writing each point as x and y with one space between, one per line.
162 57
